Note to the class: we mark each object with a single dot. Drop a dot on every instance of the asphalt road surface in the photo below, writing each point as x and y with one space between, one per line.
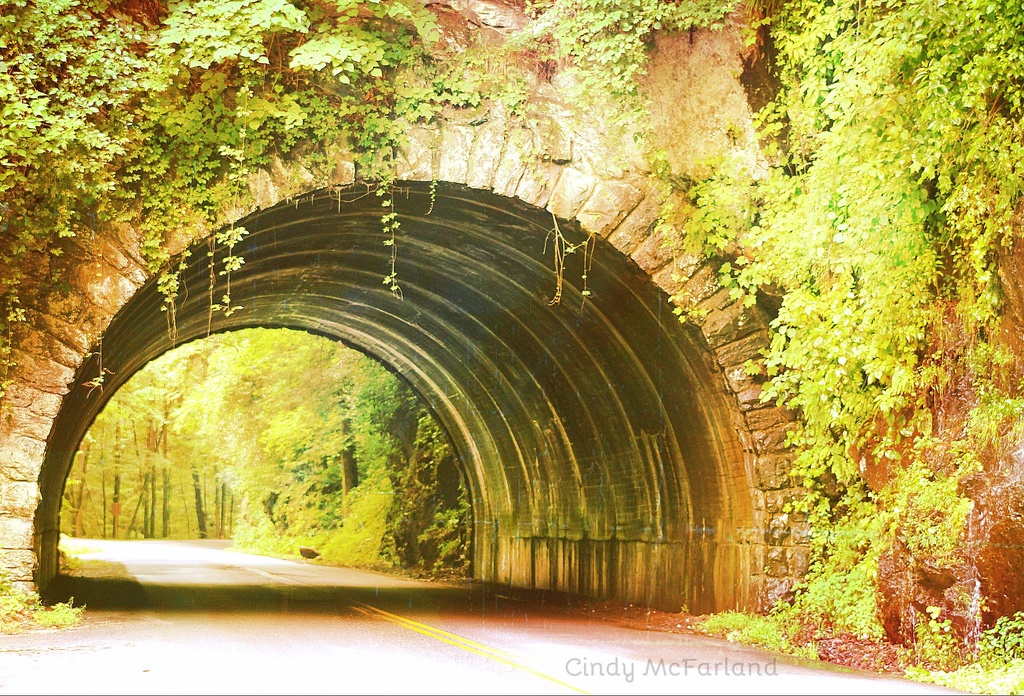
196 617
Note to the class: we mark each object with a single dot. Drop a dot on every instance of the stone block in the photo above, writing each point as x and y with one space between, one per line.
41 342
608 205
109 290
42 373
499 15
512 165
732 323
21 395
746 439
129 240
19 499
289 178
343 173
668 280
799 560
771 440
776 563
110 248
778 529
15 533
68 308
21 457
537 183
637 226
25 422
454 153
777 590
766 418
416 160
750 398
739 352
738 378
262 190
717 302
570 192
651 254
757 499
18 565
772 472
554 139
775 501
488 146
800 528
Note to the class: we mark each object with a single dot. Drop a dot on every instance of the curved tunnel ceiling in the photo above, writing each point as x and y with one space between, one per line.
592 421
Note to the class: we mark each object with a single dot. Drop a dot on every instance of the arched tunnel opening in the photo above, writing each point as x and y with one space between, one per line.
285 443
594 434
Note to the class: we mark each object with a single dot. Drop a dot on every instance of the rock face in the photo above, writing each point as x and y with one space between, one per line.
999 558
556 164
992 562
998 524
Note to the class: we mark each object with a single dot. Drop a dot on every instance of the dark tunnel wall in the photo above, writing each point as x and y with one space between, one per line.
595 438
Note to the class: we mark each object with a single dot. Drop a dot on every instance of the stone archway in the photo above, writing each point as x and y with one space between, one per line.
724 540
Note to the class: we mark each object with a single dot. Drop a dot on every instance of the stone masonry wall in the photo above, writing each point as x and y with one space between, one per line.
555 158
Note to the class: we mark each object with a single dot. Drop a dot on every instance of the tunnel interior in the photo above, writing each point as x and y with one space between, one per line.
594 433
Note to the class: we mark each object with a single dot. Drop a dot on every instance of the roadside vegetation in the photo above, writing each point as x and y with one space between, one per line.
21 610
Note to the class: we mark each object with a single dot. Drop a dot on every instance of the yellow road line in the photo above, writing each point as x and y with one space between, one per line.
458 641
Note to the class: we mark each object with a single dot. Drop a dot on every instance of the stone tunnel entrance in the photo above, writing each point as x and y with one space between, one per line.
596 434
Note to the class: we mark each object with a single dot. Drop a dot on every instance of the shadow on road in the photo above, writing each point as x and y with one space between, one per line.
472 599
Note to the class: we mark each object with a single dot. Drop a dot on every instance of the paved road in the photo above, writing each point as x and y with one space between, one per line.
195 617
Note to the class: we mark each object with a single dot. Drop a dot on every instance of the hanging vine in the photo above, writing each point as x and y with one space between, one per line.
562 249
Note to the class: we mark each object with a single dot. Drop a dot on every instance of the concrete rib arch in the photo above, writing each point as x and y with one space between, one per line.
596 436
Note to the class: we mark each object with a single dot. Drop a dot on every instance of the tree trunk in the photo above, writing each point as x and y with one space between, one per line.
184 502
349 468
115 506
223 509
80 498
149 509
150 532
200 514
216 511
165 527
103 493
135 515
165 509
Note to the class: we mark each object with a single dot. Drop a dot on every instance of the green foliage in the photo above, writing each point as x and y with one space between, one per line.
999 668
362 541
936 646
929 513
894 149
977 678
873 191
765 632
607 40
21 610
16 607
212 31
1004 641
155 114
63 615
838 596
428 521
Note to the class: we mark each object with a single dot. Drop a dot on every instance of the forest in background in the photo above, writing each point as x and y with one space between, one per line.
277 439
